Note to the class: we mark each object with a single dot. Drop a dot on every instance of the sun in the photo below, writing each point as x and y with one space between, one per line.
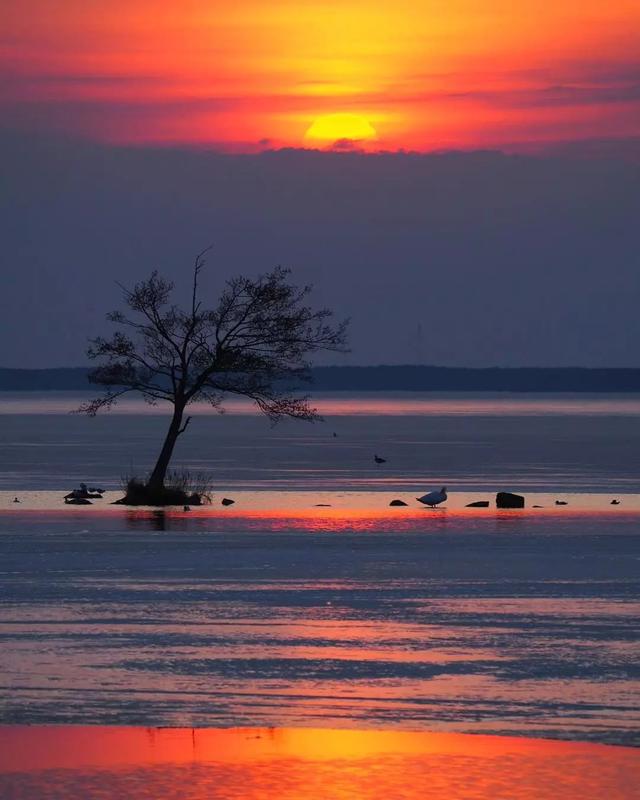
340 132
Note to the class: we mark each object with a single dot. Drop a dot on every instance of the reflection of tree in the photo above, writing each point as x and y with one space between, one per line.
156 520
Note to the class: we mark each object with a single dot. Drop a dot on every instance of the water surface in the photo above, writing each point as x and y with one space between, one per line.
311 602
255 763
555 443
502 623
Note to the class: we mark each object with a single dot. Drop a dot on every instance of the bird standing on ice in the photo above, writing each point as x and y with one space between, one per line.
433 499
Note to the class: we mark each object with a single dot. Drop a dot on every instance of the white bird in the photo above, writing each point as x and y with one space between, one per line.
433 498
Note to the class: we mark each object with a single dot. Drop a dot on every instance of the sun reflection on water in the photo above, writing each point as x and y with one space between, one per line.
251 763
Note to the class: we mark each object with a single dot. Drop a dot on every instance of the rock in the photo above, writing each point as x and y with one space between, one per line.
79 494
77 501
397 503
322 505
613 502
561 503
478 504
226 501
509 500
537 506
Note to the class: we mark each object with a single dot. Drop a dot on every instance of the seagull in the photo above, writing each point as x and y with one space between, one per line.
433 498
379 460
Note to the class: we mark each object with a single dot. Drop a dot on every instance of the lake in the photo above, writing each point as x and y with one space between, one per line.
310 603
556 443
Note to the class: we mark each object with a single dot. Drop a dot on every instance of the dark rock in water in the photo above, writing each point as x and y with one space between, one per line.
77 501
508 500
537 506
613 502
79 494
478 504
397 503
561 503
76 493
322 505
227 501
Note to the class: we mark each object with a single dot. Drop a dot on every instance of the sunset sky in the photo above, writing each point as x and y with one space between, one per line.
375 74
133 133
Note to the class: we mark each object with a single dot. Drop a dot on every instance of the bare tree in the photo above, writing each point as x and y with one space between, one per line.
254 343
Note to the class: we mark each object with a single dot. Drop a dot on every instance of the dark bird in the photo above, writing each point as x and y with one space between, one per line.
379 460
561 503
615 502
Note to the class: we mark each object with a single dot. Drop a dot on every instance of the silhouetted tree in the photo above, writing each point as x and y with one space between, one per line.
254 343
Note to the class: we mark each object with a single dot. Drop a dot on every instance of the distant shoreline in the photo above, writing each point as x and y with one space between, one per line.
406 378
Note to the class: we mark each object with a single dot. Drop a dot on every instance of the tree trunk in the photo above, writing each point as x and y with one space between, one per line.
156 481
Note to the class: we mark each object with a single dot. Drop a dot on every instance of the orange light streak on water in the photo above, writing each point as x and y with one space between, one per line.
378 404
296 512
293 763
